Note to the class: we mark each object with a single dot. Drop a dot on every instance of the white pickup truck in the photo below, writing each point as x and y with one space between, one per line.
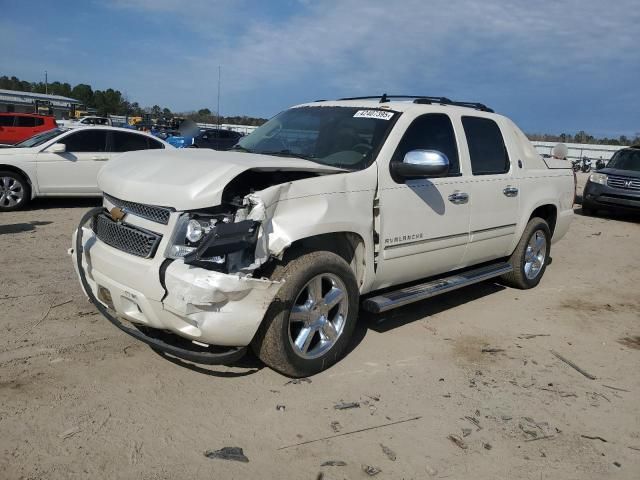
327 208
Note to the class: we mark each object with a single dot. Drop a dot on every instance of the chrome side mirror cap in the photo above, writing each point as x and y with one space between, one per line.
421 164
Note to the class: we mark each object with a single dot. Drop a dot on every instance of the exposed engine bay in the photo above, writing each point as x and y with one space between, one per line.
225 238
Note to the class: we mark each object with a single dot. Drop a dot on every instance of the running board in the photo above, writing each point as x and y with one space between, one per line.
405 296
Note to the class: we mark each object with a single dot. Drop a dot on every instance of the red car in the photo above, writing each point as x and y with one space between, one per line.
16 127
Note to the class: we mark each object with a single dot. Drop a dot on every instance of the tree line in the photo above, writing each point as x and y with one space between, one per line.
584 137
114 102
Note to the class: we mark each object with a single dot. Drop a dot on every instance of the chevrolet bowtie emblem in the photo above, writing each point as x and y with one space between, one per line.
117 214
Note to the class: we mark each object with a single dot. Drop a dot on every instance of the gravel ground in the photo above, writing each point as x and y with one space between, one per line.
79 399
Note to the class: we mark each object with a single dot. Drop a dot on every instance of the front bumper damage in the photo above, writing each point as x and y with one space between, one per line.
189 312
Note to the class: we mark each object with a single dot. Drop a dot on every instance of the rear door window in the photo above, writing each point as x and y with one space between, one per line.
128 142
487 150
89 140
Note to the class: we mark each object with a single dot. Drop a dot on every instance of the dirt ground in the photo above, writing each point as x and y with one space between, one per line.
80 399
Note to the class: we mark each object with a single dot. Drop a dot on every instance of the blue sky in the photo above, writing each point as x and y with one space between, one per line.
552 66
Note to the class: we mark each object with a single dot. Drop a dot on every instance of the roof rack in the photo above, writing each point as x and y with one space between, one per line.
422 99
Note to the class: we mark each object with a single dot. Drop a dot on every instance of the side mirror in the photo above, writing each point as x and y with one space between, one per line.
421 164
57 148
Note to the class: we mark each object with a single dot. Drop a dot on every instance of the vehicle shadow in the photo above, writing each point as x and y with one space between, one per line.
20 227
620 215
366 321
249 362
50 203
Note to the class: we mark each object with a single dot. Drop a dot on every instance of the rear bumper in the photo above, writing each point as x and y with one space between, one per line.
196 304
597 195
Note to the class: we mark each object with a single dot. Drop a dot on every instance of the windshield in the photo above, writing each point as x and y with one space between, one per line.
344 137
628 159
40 138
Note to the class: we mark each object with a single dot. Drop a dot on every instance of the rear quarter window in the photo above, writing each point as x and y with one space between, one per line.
154 144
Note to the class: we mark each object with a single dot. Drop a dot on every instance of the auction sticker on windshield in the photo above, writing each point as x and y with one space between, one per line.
379 114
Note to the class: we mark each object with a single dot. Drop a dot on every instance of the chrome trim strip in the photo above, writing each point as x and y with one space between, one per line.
493 228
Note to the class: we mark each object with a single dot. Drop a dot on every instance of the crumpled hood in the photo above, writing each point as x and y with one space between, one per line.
190 178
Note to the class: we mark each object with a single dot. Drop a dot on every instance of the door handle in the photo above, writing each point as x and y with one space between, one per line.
100 159
459 197
510 191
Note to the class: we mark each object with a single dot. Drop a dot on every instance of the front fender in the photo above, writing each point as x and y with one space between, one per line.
302 209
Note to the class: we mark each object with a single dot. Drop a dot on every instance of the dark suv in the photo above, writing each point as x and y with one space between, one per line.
617 186
218 139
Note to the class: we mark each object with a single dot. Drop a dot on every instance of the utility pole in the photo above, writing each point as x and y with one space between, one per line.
218 108
46 83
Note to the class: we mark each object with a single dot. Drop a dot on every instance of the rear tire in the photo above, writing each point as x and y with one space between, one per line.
531 256
15 191
310 321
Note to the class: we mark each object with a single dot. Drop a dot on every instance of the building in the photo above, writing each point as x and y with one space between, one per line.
579 150
30 102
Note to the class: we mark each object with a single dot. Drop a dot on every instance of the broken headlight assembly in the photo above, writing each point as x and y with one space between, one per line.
214 241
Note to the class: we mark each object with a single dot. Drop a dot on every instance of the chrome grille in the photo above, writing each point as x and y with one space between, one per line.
627 183
150 212
135 241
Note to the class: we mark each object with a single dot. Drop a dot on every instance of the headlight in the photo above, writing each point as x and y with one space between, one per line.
195 231
214 241
600 178
189 232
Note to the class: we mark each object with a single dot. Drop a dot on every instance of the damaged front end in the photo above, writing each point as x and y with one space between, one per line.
197 293
210 308
239 235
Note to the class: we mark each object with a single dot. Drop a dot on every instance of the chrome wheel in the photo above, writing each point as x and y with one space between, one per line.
11 192
535 254
318 316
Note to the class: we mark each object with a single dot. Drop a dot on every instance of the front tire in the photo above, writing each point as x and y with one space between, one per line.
309 323
529 259
15 192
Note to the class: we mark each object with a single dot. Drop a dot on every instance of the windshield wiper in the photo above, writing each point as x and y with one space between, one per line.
287 153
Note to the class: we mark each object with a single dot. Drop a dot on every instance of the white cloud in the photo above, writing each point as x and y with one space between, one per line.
355 44
526 58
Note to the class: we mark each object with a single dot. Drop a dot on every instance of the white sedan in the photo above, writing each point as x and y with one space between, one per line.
64 163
